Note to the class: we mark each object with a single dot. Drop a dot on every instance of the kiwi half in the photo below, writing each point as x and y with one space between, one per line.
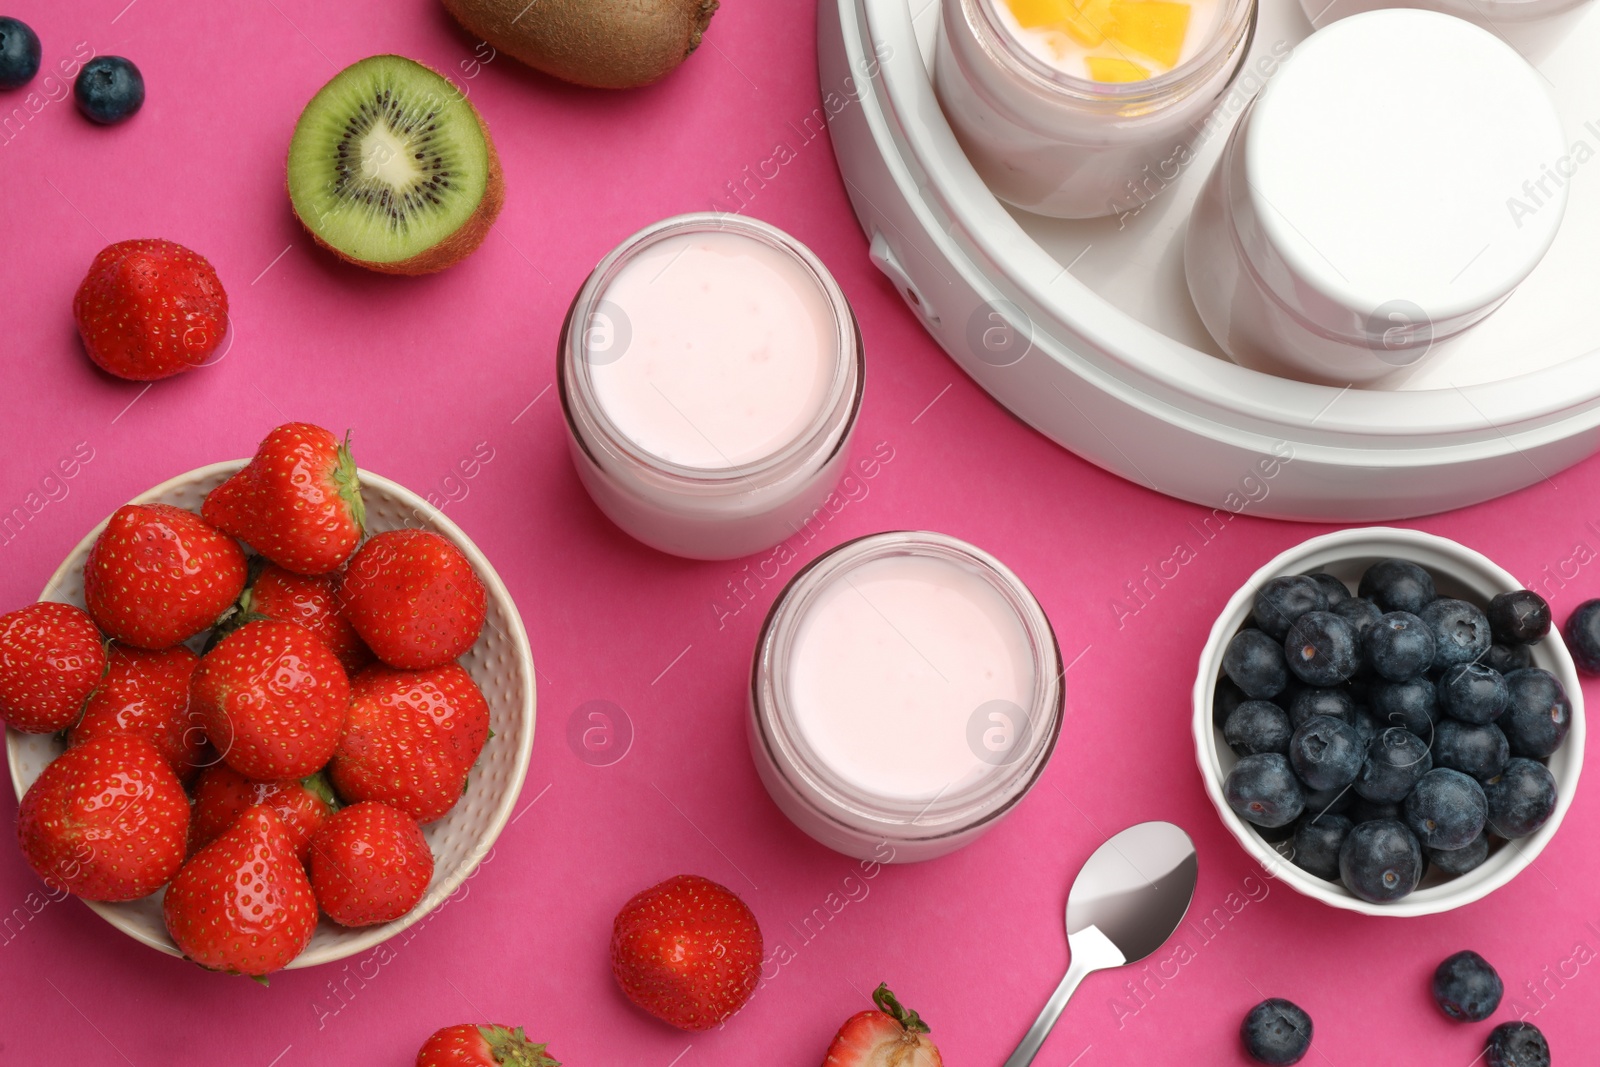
391 168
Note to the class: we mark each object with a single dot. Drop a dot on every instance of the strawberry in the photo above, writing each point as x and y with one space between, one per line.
687 951
106 820
51 659
243 904
469 1045
223 794
411 738
150 309
272 698
369 865
412 596
147 694
157 575
310 600
887 1036
298 502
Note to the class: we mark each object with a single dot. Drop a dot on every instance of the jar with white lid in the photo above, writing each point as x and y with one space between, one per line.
906 694
1490 13
1389 189
1047 137
711 373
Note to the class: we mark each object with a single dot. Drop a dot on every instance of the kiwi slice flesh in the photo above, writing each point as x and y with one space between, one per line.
392 168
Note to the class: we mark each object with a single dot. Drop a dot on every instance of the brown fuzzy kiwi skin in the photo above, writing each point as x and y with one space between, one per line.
602 44
454 248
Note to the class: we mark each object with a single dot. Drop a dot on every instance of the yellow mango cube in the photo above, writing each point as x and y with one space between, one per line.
1108 69
1090 22
1155 28
1032 14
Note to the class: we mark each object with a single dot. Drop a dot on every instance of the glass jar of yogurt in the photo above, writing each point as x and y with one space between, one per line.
1065 107
906 695
711 372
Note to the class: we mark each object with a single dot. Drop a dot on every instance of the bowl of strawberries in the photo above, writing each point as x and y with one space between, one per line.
269 713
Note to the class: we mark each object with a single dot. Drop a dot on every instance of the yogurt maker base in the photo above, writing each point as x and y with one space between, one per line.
1086 331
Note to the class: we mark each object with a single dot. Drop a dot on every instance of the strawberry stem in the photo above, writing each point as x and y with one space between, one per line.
349 482
511 1048
909 1020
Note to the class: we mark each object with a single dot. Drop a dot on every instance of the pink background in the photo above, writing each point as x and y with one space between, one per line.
429 371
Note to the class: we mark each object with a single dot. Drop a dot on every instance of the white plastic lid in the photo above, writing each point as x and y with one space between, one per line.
1406 155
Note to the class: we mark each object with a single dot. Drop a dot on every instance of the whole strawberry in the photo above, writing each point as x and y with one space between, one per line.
887 1036
369 864
51 659
223 794
106 820
687 951
470 1045
414 599
411 738
157 575
313 602
150 309
298 502
243 904
272 698
147 694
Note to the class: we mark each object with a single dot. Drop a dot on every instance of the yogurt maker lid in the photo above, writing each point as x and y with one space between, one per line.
1388 160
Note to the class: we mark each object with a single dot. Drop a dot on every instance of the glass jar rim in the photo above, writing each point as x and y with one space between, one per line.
1239 23
849 805
576 370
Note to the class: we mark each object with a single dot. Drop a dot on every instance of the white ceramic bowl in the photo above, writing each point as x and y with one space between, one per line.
500 662
1459 572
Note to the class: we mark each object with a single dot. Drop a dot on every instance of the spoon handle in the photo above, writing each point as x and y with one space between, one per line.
1091 951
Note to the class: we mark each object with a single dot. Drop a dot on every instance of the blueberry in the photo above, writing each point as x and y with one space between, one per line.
1255 663
1326 753
1447 809
1381 861
1508 658
19 53
1396 761
1516 1045
1311 702
1363 810
1519 618
109 89
1539 714
1329 801
1366 726
1466 988
1276 1032
1583 635
1400 646
1460 632
1283 600
1473 692
1398 585
1361 614
1412 705
1521 798
1274 835
1224 699
1317 841
1257 726
1332 588
1262 789
1321 649
1457 861
1479 751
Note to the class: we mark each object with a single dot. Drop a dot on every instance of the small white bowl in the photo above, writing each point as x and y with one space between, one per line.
1458 572
500 662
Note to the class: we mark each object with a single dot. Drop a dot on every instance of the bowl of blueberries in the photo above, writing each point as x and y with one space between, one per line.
1388 722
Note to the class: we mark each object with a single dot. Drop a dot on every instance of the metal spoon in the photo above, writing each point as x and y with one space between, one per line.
1125 903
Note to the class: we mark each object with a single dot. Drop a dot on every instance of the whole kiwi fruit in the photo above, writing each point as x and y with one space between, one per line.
605 44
